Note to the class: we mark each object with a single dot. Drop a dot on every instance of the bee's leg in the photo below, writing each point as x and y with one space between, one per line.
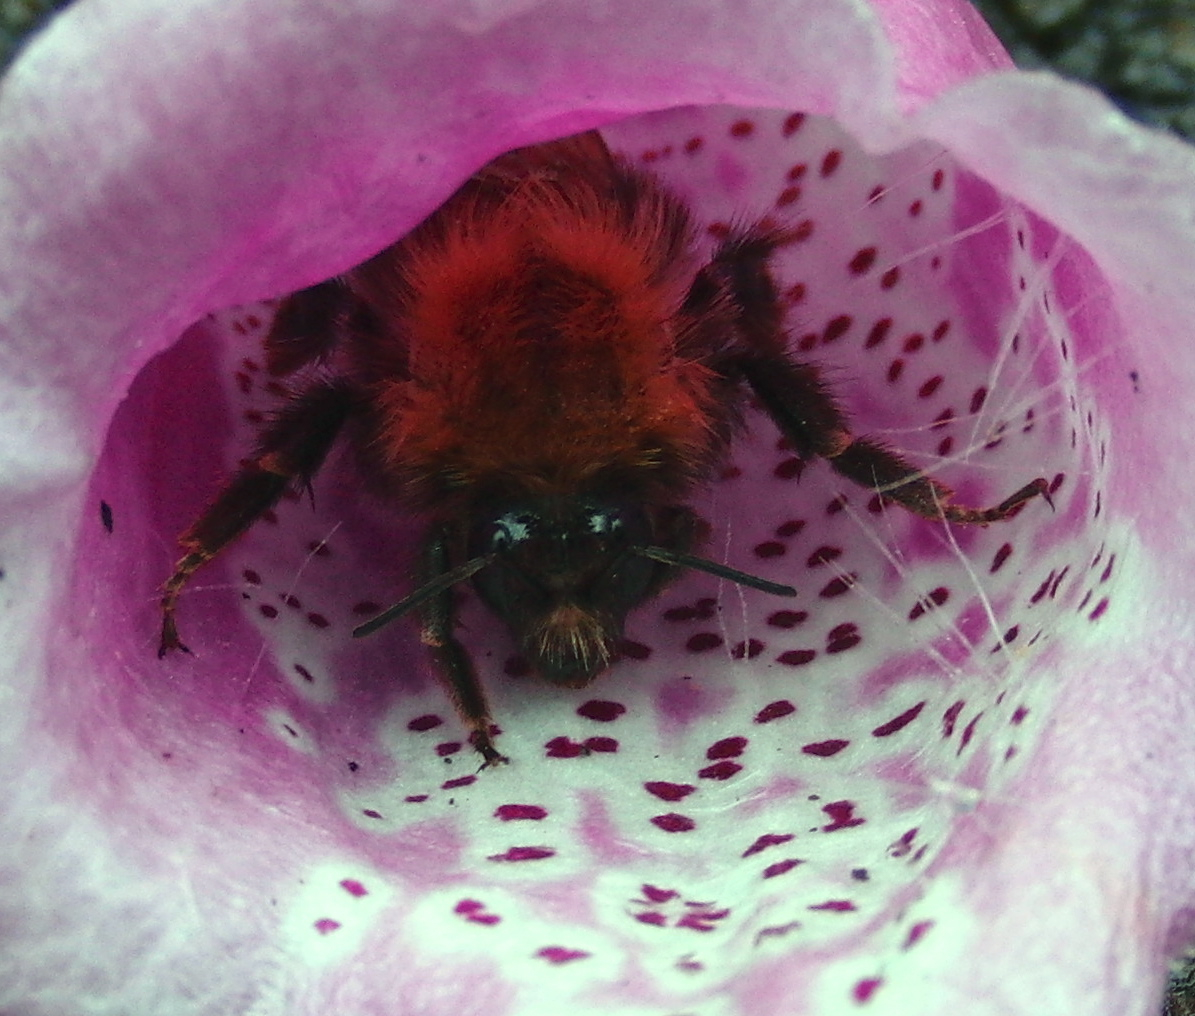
307 326
290 450
737 286
450 658
800 403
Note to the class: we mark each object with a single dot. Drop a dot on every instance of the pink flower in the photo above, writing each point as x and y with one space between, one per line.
955 776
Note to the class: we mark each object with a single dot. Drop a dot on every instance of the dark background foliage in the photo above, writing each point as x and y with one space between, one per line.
1141 53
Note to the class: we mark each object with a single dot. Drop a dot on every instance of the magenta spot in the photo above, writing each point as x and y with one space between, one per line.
929 387
823 555
517 812
898 722
787 530
523 854
831 161
701 921
895 369
842 637
563 747
916 933
780 867
936 180
557 954
601 710
795 293
304 673
792 124
748 650
446 748
1001 556
669 791
802 231
879 332
268 610
789 196
633 650
366 608
600 744
474 910
864 989
723 770
654 894
789 469
703 642
317 620
371 813
415 798
797 657
769 549
353 887
836 328
841 815
427 721
742 128
1098 610
834 906
1018 716
786 618
913 342
940 330
950 717
934 598
728 747
915 208
877 192
673 823
775 710
837 587
824 749
890 278
325 925
652 917
765 841
460 781
702 610
250 576
978 398
291 601
969 731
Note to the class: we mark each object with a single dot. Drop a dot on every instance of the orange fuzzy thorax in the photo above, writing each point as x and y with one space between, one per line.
542 350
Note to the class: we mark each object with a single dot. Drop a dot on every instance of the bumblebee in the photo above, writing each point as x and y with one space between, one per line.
547 370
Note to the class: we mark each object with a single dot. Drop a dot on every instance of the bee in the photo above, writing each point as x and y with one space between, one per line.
546 370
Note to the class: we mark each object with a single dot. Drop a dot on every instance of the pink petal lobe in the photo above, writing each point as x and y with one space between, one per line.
955 776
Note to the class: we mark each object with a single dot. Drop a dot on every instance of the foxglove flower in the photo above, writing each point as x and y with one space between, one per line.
956 775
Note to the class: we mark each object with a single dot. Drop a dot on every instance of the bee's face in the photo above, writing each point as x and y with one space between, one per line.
564 579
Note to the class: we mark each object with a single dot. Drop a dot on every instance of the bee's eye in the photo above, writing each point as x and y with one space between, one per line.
606 522
506 531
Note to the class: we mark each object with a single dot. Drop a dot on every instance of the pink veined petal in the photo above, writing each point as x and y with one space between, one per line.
162 162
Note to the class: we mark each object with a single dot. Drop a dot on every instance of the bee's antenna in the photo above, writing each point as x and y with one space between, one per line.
680 560
424 592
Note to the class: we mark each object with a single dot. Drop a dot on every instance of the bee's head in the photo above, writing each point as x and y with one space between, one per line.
564 572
